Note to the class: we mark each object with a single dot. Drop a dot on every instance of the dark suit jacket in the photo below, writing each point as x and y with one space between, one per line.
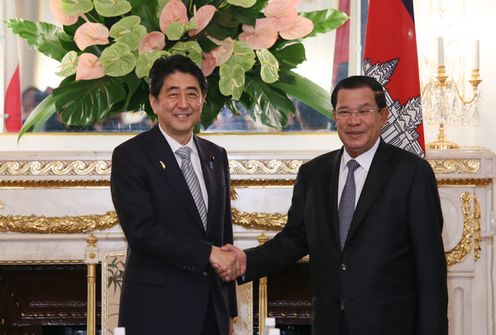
391 274
168 280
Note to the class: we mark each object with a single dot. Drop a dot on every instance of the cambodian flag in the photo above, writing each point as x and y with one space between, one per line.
391 57
12 84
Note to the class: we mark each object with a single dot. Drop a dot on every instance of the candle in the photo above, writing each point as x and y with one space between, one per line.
476 55
440 50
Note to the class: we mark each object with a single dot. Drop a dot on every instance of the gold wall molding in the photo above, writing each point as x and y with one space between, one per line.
55 168
471 235
464 181
258 167
42 262
262 221
57 225
53 183
445 166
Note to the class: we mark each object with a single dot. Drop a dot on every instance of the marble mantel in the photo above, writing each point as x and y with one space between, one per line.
50 201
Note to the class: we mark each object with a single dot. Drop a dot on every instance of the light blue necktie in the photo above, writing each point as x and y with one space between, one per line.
347 202
193 183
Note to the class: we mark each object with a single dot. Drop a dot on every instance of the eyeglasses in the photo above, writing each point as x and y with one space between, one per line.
361 113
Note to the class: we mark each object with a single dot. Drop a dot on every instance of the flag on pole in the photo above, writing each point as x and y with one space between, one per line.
12 82
391 57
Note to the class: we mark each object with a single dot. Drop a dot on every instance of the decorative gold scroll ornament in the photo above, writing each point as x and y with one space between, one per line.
54 168
57 225
257 167
471 236
445 166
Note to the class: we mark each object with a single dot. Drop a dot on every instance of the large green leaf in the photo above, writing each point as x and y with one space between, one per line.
128 31
325 20
111 8
85 102
118 60
242 55
191 49
271 105
147 11
175 30
76 7
269 71
44 37
291 56
214 103
306 91
39 116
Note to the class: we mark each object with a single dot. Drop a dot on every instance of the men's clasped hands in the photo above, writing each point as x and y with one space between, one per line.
229 262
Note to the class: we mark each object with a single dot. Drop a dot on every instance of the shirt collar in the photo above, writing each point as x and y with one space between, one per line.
176 145
365 159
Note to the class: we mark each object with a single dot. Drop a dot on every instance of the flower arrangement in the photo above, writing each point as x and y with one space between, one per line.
248 50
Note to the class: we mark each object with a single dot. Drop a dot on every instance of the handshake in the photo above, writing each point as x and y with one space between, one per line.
229 262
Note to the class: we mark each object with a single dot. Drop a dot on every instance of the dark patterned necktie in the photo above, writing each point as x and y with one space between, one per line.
193 182
347 202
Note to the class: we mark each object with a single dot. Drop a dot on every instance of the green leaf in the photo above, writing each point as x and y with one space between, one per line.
147 11
68 64
191 49
39 116
232 80
145 62
128 31
242 3
175 30
85 102
214 102
325 20
291 56
76 7
44 37
243 55
117 60
269 71
111 8
271 105
306 91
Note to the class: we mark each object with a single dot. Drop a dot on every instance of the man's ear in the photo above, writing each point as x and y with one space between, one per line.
384 115
153 102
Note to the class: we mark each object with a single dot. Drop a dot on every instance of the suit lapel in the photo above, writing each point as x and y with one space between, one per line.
377 176
165 160
207 160
333 195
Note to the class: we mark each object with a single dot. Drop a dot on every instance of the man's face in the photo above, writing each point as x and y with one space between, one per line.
359 132
178 105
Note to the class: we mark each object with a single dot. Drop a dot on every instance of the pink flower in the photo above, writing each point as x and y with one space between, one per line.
292 28
89 67
60 16
208 63
174 11
202 17
224 50
281 8
90 33
262 36
153 41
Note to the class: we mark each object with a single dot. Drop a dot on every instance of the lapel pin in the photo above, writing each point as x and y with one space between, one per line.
162 164
211 160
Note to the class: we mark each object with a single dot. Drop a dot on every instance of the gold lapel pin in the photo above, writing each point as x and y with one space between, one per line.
163 165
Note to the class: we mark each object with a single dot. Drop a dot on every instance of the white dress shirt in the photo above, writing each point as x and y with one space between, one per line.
365 160
195 161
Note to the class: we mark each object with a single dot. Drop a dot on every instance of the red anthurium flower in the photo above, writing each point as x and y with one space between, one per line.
174 11
203 16
153 41
90 33
89 67
262 36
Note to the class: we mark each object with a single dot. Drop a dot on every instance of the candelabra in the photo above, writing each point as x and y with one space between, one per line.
445 104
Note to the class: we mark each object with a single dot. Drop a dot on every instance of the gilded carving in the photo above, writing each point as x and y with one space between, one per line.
57 225
263 221
464 181
445 166
471 236
54 168
258 167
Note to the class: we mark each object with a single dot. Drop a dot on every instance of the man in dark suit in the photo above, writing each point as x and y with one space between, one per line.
369 216
171 193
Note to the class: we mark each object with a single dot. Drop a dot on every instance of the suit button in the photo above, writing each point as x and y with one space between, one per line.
344 267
